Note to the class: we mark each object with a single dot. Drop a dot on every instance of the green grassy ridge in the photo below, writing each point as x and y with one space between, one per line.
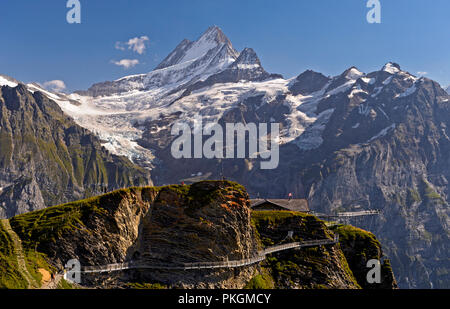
297 264
10 276
35 260
49 224
275 216
369 246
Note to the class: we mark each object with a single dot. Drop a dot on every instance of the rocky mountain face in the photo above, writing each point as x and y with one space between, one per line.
356 141
47 159
401 170
182 224
246 67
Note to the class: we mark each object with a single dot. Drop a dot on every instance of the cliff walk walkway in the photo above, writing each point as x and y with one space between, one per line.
351 214
261 256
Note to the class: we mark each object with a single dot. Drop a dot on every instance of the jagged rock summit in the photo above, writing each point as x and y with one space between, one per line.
212 44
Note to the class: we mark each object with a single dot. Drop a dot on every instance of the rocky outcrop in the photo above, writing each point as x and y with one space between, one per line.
204 222
203 212
308 82
306 268
97 231
175 224
360 247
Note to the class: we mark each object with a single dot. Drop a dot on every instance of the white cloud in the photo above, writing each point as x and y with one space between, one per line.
126 63
137 44
422 73
54 85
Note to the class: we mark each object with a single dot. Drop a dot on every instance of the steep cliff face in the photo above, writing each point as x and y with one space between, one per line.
204 222
359 247
47 159
202 213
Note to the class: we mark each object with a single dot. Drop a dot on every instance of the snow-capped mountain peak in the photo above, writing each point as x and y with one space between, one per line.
247 59
211 40
353 73
8 81
344 81
188 63
391 68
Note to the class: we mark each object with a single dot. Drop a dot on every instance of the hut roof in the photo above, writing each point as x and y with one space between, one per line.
300 205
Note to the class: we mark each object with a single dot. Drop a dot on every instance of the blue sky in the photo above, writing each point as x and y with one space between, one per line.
290 36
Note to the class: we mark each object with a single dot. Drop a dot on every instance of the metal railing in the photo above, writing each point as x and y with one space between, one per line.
350 214
261 256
